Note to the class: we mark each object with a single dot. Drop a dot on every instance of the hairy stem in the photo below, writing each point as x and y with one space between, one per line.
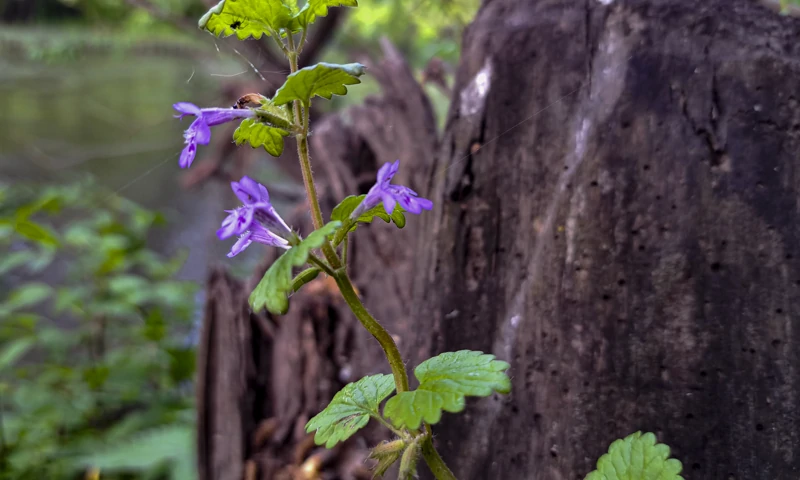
302 41
277 37
317 262
344 253
305 161
377 331
432 458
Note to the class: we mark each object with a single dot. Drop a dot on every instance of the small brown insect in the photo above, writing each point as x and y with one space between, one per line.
248 98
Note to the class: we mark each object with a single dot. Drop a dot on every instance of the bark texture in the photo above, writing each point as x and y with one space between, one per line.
617 215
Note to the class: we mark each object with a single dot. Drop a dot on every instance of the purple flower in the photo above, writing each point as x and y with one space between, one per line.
199 132
391 195
255 221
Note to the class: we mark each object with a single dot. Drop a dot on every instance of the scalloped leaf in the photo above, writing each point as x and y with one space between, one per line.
274 115
637 457
248 18
319 8
350 409
259 134
323 79
444 381
273 289
342 213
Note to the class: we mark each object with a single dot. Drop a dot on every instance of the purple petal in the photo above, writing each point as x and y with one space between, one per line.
236 223
264 193
387 171
262 235
266 214
228 228
249 191
408 199
217 116
199 129
424 203
187 108
372 199
389 203
187 155
243 242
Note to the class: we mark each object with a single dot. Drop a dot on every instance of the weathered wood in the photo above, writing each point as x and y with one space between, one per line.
224 370
616 215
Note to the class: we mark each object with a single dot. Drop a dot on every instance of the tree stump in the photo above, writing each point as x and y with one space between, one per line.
617 215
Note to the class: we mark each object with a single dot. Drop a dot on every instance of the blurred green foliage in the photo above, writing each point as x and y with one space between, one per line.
123 12
421 29
95 368
788 5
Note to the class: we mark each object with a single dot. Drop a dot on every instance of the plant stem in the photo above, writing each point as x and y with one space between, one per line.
317 262
377 331
302 41
308 179
432 458
388 425
305 161
344 253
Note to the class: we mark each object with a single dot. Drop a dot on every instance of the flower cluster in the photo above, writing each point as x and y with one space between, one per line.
255 221
199 132
391 195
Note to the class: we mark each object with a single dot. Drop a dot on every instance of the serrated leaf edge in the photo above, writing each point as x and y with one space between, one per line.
451 401
635 440
322 431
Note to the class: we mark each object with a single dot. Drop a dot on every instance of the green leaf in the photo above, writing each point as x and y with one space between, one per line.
35 232
182 363
319 8
14 351
173 445
637 457
444 382
259 134
271 292
304 277
342 213
28 295
292 4
322 79
274 115
350 409
13 260
246 18
96 376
